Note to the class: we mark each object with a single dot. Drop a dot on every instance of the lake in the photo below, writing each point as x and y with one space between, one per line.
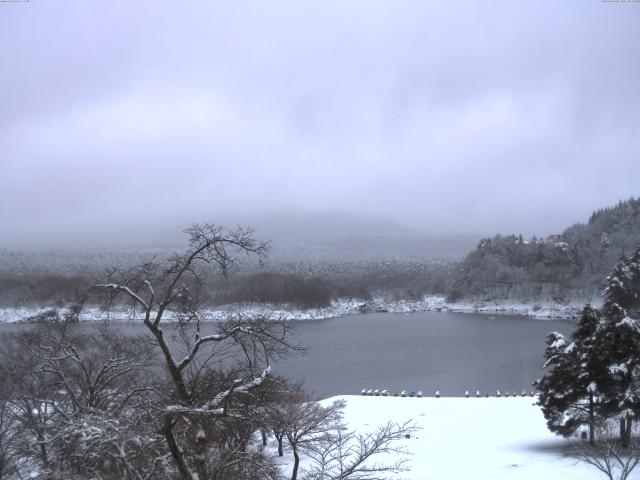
428 351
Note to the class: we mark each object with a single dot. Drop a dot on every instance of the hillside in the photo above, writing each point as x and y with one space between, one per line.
567 266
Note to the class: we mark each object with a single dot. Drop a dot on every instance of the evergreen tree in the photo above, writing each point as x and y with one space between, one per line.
595 373
569 392
622 293
618 345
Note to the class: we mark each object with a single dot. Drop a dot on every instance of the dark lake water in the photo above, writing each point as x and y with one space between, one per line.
428 351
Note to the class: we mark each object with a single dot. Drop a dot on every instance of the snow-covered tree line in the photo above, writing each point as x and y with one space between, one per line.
57 279
560 267
185 400
593 376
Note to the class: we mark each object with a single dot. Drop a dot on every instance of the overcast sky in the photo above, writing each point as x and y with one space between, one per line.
448 117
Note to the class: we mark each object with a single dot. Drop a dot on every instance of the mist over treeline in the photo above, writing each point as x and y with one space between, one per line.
300 284
568 266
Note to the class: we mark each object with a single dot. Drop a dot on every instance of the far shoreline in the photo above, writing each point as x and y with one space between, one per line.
337 309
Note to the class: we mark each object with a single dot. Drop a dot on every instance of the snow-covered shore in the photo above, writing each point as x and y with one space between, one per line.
550 310
338 308
460 438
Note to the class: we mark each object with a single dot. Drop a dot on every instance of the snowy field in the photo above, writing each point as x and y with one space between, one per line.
471 438
338 308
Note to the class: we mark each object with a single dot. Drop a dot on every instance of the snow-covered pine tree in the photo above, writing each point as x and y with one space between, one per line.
568 392
622 290
619 343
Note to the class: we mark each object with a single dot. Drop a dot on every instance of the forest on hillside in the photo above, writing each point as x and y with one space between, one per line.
571 265
559 268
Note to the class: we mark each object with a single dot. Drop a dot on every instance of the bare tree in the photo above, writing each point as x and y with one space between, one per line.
11 463
27 392
307 424
275 395
73 401
162 293
615 458
318 432
353 455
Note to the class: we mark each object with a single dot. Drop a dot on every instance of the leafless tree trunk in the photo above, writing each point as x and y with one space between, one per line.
592 420
167 295
279 434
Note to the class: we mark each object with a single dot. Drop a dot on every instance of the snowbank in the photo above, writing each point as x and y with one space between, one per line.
338 308
548 310
471 438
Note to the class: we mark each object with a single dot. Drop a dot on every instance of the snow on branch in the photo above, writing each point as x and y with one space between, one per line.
210 338
216 405
123 288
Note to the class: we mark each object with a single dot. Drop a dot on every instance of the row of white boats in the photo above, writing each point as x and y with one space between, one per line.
419 393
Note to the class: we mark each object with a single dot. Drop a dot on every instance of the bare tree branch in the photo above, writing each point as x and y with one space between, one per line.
608 454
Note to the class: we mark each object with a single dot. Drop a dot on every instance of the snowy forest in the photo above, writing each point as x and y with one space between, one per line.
560 268
571 264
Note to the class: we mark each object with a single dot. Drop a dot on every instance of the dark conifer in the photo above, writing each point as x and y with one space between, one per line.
618 345
569 391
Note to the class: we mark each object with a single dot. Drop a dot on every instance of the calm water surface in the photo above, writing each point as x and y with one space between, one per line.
429 351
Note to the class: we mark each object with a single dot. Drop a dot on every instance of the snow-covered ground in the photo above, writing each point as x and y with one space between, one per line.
470 438
336 309
438 303
341 307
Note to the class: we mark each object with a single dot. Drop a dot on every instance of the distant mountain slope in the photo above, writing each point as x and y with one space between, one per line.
339 236
572 264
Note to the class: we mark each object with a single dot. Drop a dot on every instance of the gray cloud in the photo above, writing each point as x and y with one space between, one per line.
471 117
